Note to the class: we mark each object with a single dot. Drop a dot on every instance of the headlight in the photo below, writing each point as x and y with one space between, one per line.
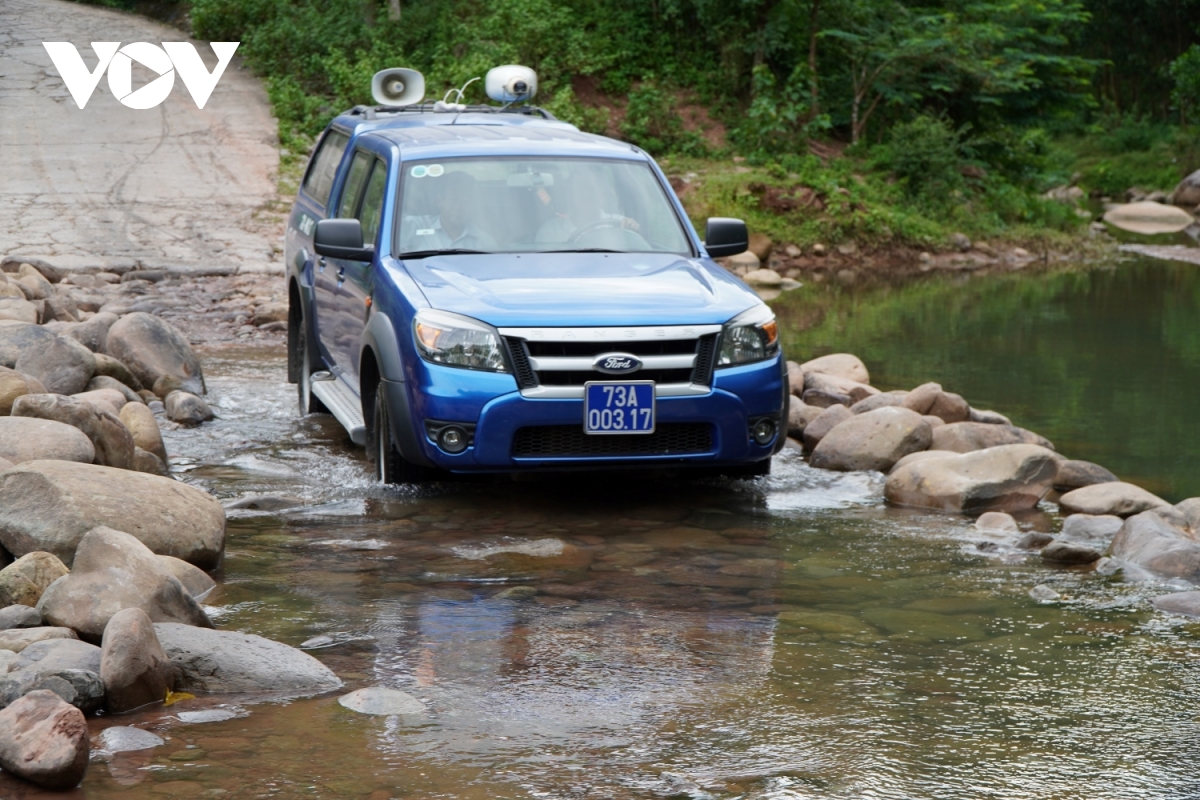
750 336
458 341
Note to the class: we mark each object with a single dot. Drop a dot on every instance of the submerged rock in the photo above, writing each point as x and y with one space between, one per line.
44 740
113 572
1185 603
379 701
186 408
50 505
1005 478
1117 498
996 521
1099 529
1146 541
875 440
1061 552
126 739
214 661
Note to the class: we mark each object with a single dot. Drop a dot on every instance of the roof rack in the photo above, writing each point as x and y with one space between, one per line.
371 112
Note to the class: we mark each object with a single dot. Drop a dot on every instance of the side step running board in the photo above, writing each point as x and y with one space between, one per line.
342 403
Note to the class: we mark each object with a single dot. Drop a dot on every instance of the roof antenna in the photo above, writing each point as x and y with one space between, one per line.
458 105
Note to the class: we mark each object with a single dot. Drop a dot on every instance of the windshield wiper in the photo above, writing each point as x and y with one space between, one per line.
451 251
585 250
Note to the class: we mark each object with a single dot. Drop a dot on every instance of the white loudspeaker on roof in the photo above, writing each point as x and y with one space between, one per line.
398 87
511 83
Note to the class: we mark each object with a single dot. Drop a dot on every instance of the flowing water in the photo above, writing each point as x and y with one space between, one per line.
788 638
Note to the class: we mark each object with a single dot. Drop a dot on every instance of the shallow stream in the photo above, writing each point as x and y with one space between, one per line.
791 638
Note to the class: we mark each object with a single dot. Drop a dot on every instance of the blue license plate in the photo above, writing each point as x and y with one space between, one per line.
626 407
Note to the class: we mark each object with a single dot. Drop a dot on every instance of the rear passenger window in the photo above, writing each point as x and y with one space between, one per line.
354 184
372 203
323 167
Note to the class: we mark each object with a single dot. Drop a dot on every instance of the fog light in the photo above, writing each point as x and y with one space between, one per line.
763 431
452 439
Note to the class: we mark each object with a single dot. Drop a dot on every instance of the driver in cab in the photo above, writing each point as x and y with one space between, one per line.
451 228
581 208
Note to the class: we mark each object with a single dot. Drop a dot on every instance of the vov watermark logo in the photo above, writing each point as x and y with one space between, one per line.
165 61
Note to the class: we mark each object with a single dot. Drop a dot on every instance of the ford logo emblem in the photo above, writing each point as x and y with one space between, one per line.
616 363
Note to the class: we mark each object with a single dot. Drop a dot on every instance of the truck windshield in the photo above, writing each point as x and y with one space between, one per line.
535 205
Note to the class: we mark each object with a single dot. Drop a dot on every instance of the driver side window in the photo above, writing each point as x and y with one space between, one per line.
354 184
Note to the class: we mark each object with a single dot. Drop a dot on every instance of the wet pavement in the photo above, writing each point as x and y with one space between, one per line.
786 638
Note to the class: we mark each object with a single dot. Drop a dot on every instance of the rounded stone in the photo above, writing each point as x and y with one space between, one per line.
44 740
378 701
127 739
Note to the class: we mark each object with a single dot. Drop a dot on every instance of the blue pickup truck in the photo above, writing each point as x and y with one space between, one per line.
485 288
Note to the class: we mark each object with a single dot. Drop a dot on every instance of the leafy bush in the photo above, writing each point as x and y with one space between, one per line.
925 154
779 118
652 122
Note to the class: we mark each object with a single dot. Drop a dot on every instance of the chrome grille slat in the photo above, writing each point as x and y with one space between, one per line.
584 363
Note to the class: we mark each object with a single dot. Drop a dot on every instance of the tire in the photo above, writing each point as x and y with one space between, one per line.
302 354
390 466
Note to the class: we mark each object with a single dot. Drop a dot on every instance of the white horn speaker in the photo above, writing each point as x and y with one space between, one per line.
398 87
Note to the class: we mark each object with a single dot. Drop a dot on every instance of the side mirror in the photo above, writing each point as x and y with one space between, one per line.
722 237
341 238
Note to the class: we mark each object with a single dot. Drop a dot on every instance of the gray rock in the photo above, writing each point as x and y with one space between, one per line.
834 385
140 421
18 639
6 658
795 375
1005 478
987 417
840 365
1077 474
149 463
821 398
152 348
1185 603
63 365
1172 516
1060 552
19 616
111 367
18 309
1187 193
80 688
109 400
881 400
875 440
207 715
1118 498
111 439
273 502
816 430
113 571
126 739
1146 541
921 399
62 309
25 438
45 741
36 281
949 407
15 384
1099 529
214 661
186 408
1034 540
964 437
996 521
133 665
50 505
105 382
799 415
934 422
54 655
1044 594
23 581
195 580
378 701
92 333
16 339
1190 509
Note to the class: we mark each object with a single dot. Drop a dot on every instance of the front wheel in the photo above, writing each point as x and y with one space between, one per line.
299 354
390 466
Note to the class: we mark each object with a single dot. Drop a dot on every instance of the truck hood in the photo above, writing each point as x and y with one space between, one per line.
582 289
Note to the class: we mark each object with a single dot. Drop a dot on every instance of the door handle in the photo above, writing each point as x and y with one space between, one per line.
341 276
321 264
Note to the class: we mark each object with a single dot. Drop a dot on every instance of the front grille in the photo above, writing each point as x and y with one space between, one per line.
526 377
573 378
564 441
706 358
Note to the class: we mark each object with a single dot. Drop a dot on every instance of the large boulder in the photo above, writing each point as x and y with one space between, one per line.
196 581
824 422
50 505
16 338
1185 603
841 365
1099 529
108 366
1190 509
54 655
1187 193
92 333
114 571
111 439
1006 478
15 384
1148 218
881 400
25 438
875 440
213 661
152 348
800 415
1115 497
133 665
18 309
81 688
23 581
105 382
45 741
1147 541
18 639
62 365
1077 474
963 437
19 616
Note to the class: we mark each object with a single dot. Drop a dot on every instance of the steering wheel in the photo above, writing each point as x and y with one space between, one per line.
593 226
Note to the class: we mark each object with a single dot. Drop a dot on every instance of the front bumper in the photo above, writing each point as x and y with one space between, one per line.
498 411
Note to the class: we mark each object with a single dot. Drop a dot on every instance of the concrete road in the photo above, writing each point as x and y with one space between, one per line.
113 187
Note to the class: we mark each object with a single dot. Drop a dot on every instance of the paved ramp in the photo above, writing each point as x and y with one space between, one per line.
109 186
